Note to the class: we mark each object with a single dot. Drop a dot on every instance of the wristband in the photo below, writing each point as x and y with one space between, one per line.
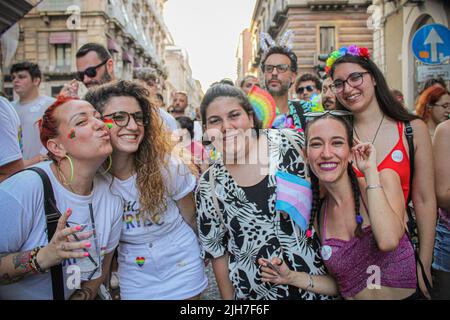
374 186
33 261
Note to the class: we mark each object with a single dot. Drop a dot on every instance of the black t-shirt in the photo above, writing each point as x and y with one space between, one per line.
259 193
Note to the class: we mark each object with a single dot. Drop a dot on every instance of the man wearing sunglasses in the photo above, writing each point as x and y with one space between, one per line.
280 69
306 85
95 65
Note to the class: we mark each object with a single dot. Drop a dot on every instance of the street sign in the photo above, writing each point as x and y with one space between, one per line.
425 72
431 44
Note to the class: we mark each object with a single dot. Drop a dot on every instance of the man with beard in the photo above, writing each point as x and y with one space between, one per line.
280 70
328 97
95 65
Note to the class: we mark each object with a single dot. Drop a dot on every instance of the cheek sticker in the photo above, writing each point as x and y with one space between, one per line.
109 123
71 134
326 252
397 156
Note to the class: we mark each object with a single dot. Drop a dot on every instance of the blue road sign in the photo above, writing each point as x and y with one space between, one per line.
431 44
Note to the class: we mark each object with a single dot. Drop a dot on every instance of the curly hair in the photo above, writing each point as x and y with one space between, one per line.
427 99
154 151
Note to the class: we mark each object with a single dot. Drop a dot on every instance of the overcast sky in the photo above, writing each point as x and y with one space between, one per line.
209 30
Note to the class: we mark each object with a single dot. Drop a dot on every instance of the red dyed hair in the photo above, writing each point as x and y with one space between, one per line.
428 98
48 124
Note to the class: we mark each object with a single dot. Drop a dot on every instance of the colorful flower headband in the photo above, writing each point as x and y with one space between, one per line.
351 50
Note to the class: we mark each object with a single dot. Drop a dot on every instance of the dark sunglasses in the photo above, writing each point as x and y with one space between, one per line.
347 115
122 118
300 90
91 72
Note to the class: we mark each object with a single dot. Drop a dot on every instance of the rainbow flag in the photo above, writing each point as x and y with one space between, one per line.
264 106
294 196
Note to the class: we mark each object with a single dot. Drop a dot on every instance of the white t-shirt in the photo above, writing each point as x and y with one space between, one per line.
198 131
135 230
23 226
10 133
168 119
29 113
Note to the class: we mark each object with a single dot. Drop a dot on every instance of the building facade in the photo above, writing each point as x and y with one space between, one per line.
319 26
50 34
395 23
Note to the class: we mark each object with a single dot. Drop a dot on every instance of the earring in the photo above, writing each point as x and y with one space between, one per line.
109 165
71 171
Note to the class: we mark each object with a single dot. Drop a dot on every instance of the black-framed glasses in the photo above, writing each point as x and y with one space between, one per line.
310 116
354 80
281 68
122 118
308 88
91 72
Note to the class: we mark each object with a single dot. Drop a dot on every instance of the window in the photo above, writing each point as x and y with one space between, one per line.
63 54
327 40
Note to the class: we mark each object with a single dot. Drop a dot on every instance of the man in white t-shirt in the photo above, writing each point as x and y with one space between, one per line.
26 78
10 140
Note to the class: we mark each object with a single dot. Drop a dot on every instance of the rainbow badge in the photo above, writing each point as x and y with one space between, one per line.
264 106
140 261
109 123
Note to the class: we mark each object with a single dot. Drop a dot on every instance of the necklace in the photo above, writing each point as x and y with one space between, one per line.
376 133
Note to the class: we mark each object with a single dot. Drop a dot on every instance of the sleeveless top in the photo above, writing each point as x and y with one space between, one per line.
397 160
354 262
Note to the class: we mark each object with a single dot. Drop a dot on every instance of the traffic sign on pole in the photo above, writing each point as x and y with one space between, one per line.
431 44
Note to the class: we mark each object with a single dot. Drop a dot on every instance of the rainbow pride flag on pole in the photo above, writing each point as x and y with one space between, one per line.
294 196
264 106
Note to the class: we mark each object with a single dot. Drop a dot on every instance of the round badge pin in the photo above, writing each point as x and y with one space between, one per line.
326 252
397 156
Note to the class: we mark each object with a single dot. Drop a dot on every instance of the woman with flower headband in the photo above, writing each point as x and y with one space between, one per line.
379 118
159 255
360 222
78 144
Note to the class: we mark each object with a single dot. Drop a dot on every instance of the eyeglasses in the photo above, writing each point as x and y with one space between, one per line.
444 105
91 72
281 68
354 80
122 118
310 116
309 88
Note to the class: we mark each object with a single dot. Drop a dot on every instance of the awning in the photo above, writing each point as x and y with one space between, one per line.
127 57
112 45
60 37
13 11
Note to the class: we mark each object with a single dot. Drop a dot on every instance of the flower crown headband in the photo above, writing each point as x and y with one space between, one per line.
352 50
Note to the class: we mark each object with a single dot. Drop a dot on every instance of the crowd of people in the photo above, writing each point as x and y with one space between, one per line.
344 196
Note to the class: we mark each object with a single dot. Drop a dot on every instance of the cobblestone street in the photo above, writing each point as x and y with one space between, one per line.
212 291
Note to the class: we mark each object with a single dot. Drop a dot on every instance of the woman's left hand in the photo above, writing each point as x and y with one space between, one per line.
365 156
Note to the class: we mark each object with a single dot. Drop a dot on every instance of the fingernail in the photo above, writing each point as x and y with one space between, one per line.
69 211
78 228
88 245
86 254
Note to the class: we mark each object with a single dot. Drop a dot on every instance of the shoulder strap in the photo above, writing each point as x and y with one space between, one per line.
410 138
52 216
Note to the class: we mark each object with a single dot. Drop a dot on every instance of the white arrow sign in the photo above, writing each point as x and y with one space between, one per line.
433 39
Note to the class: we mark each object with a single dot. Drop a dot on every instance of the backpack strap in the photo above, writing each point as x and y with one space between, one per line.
52 216
410 138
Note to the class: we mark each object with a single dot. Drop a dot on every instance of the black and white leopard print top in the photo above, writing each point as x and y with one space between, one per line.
248 233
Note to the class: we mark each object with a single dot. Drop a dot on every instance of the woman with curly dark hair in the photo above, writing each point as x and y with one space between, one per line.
159 256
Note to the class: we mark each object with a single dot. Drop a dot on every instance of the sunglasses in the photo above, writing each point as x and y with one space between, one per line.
281 68
91 72
122 118
300 90
347 115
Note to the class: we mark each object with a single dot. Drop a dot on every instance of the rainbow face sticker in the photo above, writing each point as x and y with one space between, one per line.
109 123
140 261
71 134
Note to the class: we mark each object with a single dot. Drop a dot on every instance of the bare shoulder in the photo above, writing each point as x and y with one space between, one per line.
419 126
443 129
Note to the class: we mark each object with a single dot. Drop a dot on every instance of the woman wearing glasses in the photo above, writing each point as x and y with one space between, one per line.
78 144
236 208
433 106
159 255
380 119
360 222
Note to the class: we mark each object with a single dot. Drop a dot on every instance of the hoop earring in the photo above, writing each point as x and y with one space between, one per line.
71 171
109 166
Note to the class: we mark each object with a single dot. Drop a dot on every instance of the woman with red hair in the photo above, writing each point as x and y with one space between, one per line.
434 107
78 144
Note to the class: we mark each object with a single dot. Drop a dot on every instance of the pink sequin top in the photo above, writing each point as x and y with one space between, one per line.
352 262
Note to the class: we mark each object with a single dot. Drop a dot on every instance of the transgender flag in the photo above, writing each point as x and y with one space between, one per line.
294 196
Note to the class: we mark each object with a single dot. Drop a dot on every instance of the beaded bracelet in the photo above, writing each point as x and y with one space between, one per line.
33 261
311 283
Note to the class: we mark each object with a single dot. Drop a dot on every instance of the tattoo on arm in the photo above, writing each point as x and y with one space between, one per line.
21 261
